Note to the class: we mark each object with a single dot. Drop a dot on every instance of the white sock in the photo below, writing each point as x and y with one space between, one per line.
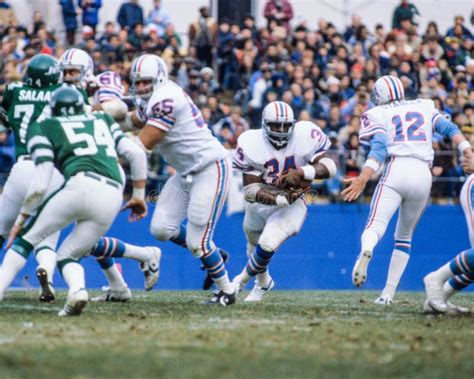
115 278
73 274
264 278
398 263
138 253
448 290
46 258
11 266
224 284
444 272
369 240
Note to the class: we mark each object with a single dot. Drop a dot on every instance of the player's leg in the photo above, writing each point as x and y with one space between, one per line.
149 257
207 197
13 193
255 219
416 192
382 208
280 226
459 271
55 214
45 254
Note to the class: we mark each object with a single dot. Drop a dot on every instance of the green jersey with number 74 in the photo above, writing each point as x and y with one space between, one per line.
77 143
22 105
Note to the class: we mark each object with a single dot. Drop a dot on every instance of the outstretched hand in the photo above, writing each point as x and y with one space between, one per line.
138 209
355 188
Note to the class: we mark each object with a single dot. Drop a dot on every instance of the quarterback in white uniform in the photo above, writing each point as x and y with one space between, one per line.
275 160
400 131
173 123
78 69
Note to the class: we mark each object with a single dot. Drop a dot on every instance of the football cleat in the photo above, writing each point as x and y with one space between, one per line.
75 303
221 298
452 308
434 293
151 268
109 294
257 294
208 282
384 300
359 272
47 290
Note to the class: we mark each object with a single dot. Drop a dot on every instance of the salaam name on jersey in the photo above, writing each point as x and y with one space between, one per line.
22 105
79 143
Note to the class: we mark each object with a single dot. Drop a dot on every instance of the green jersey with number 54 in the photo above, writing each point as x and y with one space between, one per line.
22 105
78 143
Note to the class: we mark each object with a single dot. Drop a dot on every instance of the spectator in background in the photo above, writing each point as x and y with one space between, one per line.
459 30
130 14
159 17
228 129
38 22
202 36
351 29
70 20
7 15
90 12
279 11
405 11
259 83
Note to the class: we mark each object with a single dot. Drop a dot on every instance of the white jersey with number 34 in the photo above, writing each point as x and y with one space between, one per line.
255 155
188 145
408 124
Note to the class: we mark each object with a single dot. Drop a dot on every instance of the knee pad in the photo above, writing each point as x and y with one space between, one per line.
272 237
163 232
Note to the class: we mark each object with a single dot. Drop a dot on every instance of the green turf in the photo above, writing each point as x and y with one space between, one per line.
293 335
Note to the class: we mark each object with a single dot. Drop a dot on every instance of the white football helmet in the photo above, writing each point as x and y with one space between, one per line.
151 68
77 59
278 122
387 89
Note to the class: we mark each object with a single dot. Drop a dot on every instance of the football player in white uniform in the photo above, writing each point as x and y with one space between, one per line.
78 69
457 274
172 122
275 161
400 131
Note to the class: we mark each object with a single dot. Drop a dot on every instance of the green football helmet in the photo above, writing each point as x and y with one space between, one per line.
42 71
67 101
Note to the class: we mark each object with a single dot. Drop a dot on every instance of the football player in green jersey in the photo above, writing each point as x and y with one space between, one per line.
84 148
24 103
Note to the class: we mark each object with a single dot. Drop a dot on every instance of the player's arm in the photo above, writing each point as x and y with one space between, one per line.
255 191
161 117
137 159
451 130
377 155
133 120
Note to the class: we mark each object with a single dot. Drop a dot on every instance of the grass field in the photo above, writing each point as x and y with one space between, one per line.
292 335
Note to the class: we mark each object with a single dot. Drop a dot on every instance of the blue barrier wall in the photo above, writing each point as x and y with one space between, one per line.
320 257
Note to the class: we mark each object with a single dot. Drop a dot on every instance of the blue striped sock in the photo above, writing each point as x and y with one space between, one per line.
403 246
259 261
463 263
180 239
108 247
459 282
214 264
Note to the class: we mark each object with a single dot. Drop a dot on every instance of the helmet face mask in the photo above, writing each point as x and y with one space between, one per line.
77 67
148 72
278 123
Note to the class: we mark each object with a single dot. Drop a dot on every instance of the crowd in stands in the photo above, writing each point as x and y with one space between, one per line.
232 70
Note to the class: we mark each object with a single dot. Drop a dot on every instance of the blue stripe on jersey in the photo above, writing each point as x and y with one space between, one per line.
109 92
162 119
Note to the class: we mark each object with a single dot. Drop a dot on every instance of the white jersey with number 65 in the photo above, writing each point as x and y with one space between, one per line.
188 145
408 124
